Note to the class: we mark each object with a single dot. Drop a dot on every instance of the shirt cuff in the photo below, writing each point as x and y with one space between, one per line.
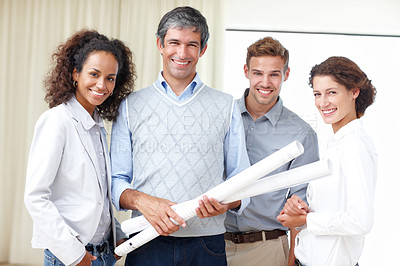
79 259
244 203
119 186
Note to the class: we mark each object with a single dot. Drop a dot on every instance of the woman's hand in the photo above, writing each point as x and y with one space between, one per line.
295 206
294 213
87 259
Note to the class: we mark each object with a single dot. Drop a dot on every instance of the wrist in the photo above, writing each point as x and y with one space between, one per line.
235 206
130 199
303 222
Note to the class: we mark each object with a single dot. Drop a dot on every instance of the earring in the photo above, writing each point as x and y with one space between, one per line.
111 93
75 83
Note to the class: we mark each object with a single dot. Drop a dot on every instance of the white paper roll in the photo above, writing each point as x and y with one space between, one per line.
290 178
224 190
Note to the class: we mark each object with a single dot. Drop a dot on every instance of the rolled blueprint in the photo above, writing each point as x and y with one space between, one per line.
230 186
223 191
290 178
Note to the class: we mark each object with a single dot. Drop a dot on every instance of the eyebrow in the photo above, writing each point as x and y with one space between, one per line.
98 71
272 71
176 40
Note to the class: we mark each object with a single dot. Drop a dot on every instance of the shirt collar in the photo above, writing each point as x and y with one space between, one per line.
83 116
189 90
272 115
351 126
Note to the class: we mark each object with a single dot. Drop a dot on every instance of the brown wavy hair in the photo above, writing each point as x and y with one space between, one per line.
72 55
347 73
268 46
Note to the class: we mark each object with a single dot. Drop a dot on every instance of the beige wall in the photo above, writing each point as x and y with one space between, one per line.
31 29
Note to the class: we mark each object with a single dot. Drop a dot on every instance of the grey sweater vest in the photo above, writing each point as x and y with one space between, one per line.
177 148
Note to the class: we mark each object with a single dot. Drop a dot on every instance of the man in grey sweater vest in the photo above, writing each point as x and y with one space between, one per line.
178 138
256 237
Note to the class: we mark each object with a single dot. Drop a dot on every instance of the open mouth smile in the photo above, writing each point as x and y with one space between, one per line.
264 92
329 111
97 93
181 63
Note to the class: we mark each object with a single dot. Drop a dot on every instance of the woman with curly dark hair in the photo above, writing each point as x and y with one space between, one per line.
340 207
68 185
69 59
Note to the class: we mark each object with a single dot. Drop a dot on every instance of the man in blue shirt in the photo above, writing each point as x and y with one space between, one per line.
178 138
256 237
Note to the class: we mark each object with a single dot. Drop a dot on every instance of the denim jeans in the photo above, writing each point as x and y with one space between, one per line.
105 258
180 251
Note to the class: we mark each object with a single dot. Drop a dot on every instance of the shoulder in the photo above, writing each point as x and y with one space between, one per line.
360 140
52 126
357 153
292 119
217 93
141 93
55 116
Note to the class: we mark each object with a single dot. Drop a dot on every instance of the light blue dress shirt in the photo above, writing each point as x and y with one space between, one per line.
269 133
235 154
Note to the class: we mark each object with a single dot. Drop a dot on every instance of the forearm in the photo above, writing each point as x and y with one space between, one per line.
292 257
130 199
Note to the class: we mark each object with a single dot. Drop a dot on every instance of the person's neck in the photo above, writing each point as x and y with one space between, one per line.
178 85
178 88
257 110
338 125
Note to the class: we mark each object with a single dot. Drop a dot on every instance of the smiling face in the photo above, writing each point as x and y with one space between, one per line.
335 103
180 52
266 75
96 81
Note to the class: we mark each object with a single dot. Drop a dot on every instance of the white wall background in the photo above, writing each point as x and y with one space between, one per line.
379 57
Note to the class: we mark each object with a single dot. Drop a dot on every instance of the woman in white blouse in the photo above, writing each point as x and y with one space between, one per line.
340 207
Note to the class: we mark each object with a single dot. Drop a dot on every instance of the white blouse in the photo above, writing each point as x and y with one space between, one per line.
341 205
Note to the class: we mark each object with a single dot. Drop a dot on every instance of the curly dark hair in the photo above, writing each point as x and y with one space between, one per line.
347 73
72 55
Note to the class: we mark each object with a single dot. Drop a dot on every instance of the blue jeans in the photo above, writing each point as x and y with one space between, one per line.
180 251
105 258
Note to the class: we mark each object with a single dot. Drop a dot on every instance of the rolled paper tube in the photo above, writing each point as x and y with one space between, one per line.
185 210
224 190
134 225
138 240
290 178
255 172
234 184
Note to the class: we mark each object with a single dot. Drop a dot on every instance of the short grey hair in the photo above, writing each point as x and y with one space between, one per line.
184 17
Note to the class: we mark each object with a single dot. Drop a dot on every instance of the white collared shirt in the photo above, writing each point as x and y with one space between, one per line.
341 205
